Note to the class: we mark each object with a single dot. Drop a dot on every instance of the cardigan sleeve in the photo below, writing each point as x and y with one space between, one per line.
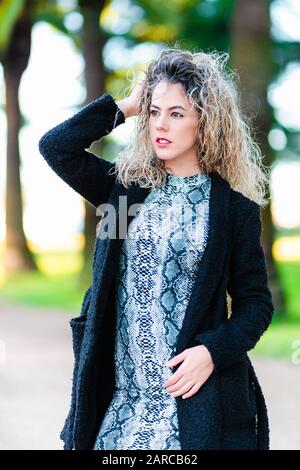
252 306
63 148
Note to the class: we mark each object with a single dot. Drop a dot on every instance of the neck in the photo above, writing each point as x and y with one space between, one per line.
184 171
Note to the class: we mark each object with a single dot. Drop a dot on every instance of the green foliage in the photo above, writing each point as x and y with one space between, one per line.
192 24
10 11
279 340
289 274
55 286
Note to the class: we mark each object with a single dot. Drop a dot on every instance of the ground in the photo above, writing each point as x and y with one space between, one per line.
36 362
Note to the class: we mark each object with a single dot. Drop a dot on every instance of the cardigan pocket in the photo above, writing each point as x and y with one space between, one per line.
78 324
238 394
77 327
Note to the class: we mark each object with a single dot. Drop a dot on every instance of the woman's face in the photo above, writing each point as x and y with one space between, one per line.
178 125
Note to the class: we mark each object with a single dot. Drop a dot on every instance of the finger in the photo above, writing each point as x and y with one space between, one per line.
176 359
192 391
174 379
183 389
177 385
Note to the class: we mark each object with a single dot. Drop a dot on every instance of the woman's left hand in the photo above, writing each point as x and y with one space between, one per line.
195 369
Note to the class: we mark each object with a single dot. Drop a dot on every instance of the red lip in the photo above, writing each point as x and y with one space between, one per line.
158 138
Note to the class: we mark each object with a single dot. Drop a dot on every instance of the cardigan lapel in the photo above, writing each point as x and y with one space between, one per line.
212 262
124 213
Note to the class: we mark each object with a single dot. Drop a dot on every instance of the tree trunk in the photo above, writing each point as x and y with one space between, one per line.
251 48
17 256
92 47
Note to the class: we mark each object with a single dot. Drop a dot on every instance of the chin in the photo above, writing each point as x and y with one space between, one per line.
165 157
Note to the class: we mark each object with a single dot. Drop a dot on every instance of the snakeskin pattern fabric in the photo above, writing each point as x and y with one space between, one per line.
157 268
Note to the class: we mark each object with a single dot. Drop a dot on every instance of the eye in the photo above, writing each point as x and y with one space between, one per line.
178 114
154 111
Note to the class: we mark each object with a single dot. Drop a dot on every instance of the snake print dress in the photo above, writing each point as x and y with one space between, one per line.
158 263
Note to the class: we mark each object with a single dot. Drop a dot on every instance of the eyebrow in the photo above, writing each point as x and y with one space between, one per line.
172 107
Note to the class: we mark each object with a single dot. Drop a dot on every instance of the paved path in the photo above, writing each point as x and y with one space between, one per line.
36 362
280 382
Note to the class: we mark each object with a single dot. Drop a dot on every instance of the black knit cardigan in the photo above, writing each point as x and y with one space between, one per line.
221 414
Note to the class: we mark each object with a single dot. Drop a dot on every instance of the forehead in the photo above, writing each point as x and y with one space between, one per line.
169 92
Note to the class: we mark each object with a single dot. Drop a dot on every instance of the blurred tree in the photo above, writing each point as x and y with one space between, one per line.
203 24
285 56
92 41
15 44
17 18
251 56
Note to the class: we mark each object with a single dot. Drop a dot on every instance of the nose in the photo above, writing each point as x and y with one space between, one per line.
161 123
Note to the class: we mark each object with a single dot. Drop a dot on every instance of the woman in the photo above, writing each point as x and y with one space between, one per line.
160 360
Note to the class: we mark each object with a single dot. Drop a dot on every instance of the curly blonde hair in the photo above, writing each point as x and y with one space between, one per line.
224 139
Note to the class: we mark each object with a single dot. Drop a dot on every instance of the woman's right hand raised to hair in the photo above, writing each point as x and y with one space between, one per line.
130 105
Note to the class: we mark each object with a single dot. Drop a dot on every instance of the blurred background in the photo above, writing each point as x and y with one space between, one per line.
55 57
